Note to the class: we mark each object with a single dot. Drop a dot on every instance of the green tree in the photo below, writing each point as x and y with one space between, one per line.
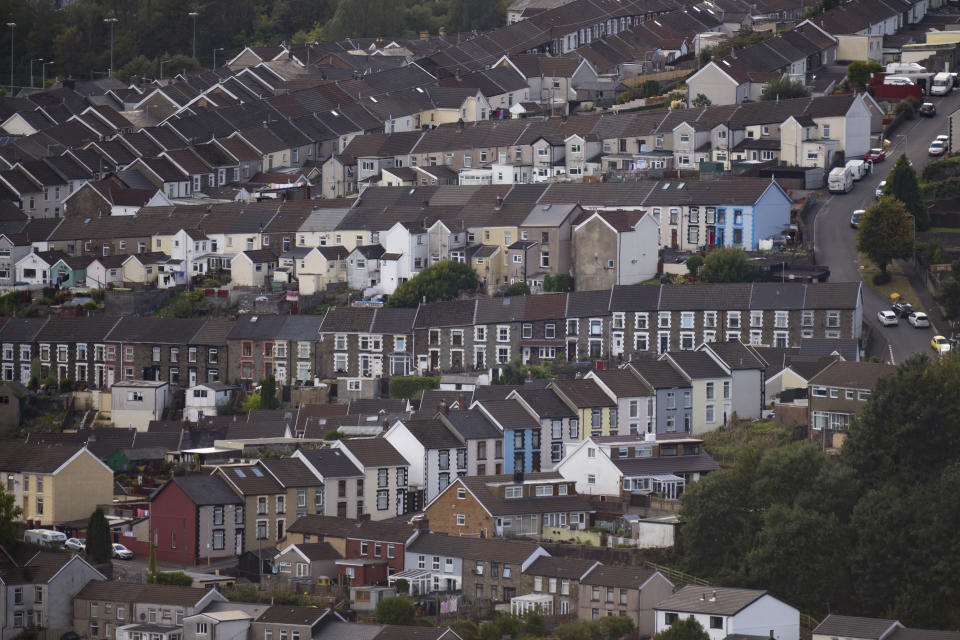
859 72
268 393
650 89
251 402
139 67
534 625
396 610
9 516
517 289
784 89
177 578
99 543
727 264
615 627
948 297
886 233
701 101
903 185
440 281
683 629
694 263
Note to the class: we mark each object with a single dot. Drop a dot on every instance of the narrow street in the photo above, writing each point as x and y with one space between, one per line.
834 239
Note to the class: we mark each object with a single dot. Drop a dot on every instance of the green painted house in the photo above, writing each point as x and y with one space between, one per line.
70 271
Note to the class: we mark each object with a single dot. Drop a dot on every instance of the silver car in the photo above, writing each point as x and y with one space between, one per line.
75 544
919 320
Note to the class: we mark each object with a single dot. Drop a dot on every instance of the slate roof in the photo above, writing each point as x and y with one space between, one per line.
510 414
854 627
617 576
660 374
433 434
471 424
584 393
332 463
498 506
113 591
738 356
569 568
35 458
252 327
484 549
545 403
697 364
290 615
660 465
624 383
251 480
132 329
581 304
374 452
318 551
727 601
852 375
334 527
206 490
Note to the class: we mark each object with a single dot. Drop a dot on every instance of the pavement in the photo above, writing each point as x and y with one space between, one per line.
834 239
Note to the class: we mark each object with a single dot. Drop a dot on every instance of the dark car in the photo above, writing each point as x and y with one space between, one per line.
902 309
928 109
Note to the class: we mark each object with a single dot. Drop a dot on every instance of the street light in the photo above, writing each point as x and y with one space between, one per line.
12 25
215 58
162 62
43 77
111 22
31 70
194 14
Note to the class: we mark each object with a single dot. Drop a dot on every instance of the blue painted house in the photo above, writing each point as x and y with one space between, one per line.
522 434
674 394
721 213
70 271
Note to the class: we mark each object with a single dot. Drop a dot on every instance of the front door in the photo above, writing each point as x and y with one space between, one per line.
526 355
719 242
617 343
193 376
238 548
673 237
572 351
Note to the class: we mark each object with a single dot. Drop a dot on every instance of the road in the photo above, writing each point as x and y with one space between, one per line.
834 239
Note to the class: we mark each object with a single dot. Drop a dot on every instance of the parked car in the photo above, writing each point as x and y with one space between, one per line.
887 318
928 110
121 552
902 309
919 320
936 148
944 138
75 544
880 188
940 344
875 155
856 218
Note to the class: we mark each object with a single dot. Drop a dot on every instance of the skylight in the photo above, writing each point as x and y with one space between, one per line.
256 472
240 473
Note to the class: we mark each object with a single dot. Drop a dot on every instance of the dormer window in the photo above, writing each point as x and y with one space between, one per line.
515 491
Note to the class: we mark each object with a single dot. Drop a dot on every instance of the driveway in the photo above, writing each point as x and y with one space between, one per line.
834 239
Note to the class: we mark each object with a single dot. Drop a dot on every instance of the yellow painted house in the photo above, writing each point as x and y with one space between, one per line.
596 411
54 484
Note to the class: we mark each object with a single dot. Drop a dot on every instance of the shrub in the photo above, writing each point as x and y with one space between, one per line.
881 278
409 386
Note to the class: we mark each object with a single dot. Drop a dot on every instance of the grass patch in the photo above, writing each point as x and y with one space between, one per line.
727 442
943 230
898 282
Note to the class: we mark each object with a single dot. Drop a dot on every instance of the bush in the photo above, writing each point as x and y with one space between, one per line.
90 305
650 89
333 434
66 384
517 289
178 578
402 586
881 278
409 386
906 109
693 264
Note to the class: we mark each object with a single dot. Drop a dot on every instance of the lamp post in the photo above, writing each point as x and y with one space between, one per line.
162 62
215 57
12 25
43 76
194 14
111 22
31 70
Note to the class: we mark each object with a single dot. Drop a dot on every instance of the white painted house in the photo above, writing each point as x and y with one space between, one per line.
591 468
436 454
205 399
726 611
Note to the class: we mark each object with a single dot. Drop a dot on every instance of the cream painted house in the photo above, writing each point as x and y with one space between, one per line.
54 484
320 267
143 268
253 268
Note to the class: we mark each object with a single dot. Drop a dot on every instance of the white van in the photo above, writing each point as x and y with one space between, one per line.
840 180
46 537
858 168
942 84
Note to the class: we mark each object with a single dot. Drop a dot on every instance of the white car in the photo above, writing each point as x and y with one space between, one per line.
880 188
944 138
121 552
918 319
75 544
936 148
887 318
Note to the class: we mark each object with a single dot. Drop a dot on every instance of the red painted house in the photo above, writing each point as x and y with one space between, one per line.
194 519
